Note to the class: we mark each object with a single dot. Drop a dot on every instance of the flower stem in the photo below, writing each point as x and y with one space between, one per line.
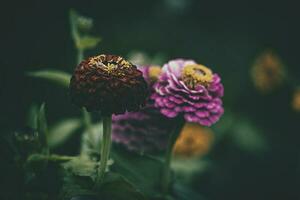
51 157
165 181
105 147
80 55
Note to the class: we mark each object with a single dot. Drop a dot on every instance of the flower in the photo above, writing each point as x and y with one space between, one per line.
296 100
143 131
146 130
267 72
109 84
150 73
189 89
194 140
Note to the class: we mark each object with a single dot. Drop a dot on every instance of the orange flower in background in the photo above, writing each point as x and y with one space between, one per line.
296 100
194 140
267 72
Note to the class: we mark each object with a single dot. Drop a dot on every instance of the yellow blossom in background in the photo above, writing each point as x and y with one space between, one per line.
296 100
154 72
267 72
194 140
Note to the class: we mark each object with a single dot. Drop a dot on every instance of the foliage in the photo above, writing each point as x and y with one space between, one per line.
62 131
59 77
129 175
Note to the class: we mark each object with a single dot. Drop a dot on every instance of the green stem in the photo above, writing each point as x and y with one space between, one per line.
86 118
51 157
75 35
166 175
105 147
80 55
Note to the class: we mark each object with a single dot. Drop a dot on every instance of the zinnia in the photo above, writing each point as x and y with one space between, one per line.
146 130
194 140
191 90
268 72
109 84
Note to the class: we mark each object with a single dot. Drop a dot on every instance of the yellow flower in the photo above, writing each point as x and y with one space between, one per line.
194 140
154 72
267 72
296 100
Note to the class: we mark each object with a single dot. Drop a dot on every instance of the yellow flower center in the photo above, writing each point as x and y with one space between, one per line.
154 72
195 74
109 63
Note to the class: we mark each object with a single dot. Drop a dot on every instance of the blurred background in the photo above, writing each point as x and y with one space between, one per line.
256 154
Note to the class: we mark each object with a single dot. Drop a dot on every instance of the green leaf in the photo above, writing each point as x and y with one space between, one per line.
32 116
116 187
62 131
84 23
91 139
82 166
87 42
186 168
87 118
142 171
42 125
248 137
56 76
80 22
74 185
80 175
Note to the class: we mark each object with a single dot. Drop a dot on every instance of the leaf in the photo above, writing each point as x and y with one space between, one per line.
248 137
141 170
87 42
74 185
91 139
80 22
82 166
84 24
62 131
79 180
87 118
116 187
42 126
186 168
56 76
32 116
79 175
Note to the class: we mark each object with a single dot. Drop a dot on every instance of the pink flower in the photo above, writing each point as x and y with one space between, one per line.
191 90
146 130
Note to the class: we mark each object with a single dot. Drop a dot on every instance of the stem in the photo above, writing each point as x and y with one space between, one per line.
75 35
165 181
51 157
105 147
80 55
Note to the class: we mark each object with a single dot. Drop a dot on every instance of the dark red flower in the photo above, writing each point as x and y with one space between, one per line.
109 84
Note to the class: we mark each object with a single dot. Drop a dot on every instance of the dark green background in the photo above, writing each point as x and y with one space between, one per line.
224 35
